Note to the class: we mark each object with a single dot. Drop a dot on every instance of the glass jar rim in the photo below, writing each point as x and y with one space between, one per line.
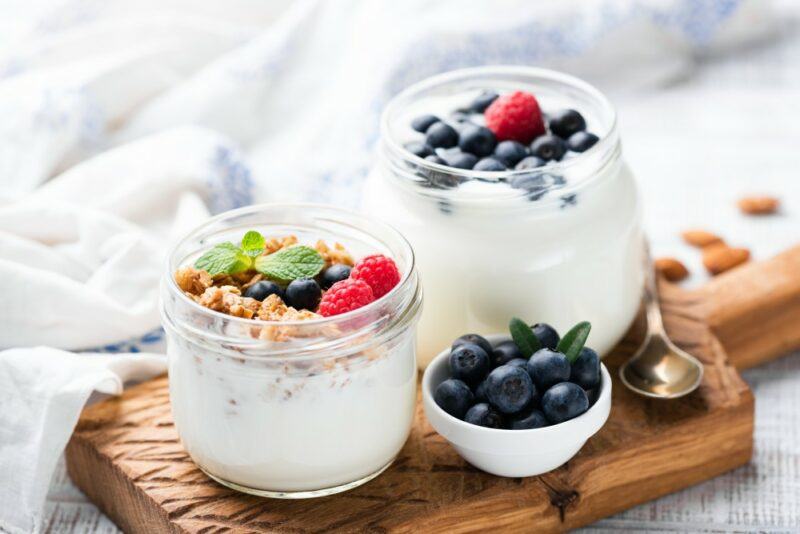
604 150
408 277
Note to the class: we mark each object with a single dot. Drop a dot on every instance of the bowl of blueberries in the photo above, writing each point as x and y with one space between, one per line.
518 405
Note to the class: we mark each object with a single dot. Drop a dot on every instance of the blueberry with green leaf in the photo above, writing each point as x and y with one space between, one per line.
523 337
547 335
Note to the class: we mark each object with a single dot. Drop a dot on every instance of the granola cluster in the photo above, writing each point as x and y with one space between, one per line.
337 254
224 292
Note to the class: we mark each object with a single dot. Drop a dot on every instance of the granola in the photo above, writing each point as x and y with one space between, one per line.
274 309
192 281
229 299
337 254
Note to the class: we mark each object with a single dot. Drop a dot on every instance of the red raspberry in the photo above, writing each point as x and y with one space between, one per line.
379 272
344 296
515 116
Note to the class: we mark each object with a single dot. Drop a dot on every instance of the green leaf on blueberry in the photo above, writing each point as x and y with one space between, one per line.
523 337
574 340
292 263
253 244
224 258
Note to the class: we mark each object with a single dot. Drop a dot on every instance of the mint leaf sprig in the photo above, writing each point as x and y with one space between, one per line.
574 340
283 266
224 258
287 264
523 337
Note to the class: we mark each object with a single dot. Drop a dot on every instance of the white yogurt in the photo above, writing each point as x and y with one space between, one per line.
286 429
486 252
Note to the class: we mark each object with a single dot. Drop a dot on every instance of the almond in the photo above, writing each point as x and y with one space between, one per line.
701 238
672 269
720 258
763 205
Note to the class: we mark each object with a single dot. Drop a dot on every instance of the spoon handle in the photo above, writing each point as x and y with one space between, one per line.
652 308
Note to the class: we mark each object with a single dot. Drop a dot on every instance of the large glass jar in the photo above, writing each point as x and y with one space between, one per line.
562 245
294 409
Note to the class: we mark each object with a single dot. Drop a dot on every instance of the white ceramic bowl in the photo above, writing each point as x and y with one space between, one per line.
513 453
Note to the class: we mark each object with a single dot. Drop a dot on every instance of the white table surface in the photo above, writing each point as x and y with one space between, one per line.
731 128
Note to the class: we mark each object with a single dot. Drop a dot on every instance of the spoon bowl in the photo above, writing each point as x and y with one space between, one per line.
659 369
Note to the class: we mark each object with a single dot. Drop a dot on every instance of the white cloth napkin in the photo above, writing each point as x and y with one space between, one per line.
125 124
41 394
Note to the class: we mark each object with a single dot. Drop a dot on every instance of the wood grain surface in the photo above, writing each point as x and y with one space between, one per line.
126 455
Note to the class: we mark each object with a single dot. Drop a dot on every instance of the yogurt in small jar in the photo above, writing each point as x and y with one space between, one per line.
300 408
566 244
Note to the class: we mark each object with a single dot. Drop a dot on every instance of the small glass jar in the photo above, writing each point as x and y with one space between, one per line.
294 409
559 244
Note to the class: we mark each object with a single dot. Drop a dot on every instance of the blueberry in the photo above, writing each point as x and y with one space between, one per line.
530 162
505 352
441 135
510 152
335 273
548 147
484 415
533 419
489 165
480 392
535 184
475 339
454 397
482 101
546 335
581 141
303 294
263 289
509 389
548 367
469 362
461 117
518 362
423 122
460 160
586 369
529 181
419 149
563 402
478 140
433 158
566 122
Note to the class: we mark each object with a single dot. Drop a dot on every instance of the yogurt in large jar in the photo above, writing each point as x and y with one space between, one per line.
566 247
294 409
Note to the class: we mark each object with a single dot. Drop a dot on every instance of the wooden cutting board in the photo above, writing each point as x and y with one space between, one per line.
126 456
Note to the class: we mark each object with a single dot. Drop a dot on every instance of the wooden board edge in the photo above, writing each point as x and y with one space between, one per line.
86 466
